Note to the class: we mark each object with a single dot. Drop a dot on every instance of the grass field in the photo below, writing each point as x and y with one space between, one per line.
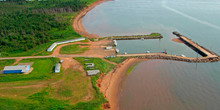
73 49
117 59
4 63
74 87
99 99
70 90
43 69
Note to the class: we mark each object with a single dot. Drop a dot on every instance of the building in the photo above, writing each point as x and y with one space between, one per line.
90 65
50 49
57 68
92 72
16 69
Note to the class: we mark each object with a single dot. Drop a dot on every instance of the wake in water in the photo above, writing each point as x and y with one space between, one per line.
164 4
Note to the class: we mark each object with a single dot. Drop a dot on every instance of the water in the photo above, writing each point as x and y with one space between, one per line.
171 85
197 19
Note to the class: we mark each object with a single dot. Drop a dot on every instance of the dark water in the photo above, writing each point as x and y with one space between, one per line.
158 84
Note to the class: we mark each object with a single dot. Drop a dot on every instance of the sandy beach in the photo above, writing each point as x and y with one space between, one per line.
77 23
177 40
110 84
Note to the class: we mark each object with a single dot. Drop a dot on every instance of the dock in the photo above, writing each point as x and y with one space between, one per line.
196 47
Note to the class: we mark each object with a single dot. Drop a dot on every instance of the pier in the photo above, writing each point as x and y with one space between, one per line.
207 55
196 47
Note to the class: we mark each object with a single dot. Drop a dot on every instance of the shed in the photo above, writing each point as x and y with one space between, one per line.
16 69
57 68
50 49
90 65
109 47
92 72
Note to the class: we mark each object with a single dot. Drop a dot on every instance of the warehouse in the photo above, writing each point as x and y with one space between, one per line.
16 69
50 49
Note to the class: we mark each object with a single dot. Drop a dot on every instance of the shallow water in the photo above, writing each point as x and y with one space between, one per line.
169 86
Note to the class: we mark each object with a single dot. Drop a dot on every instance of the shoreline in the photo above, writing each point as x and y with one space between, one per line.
77 23
110 84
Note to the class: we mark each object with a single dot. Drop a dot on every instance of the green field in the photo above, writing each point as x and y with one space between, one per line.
67 90
43 69
73 49
99 99
100 64
117 59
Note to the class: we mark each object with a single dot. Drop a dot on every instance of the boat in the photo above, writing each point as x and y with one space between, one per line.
147 51
117 50
182 55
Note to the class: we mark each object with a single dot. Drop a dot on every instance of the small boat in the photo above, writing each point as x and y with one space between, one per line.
125 53
147 51
182 55
117 50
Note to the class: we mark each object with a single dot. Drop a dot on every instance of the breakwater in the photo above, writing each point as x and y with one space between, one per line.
195 46
208 56
134 37
171 57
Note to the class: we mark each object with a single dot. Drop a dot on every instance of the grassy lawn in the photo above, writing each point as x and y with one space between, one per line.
117 59
70 91
100 64
73 49
4 63
98 39
72 88
43 69
89 1
99 99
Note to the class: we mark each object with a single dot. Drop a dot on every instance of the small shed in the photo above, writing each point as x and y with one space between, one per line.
57 68
92 72
108 48
16 69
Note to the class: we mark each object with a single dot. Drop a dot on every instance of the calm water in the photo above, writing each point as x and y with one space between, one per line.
167 84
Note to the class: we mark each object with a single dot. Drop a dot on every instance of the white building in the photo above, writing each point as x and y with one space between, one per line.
57 68
50 49
92 72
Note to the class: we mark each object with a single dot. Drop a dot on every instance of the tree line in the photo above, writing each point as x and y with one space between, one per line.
25 29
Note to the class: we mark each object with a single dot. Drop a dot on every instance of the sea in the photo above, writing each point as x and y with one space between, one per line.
164 84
